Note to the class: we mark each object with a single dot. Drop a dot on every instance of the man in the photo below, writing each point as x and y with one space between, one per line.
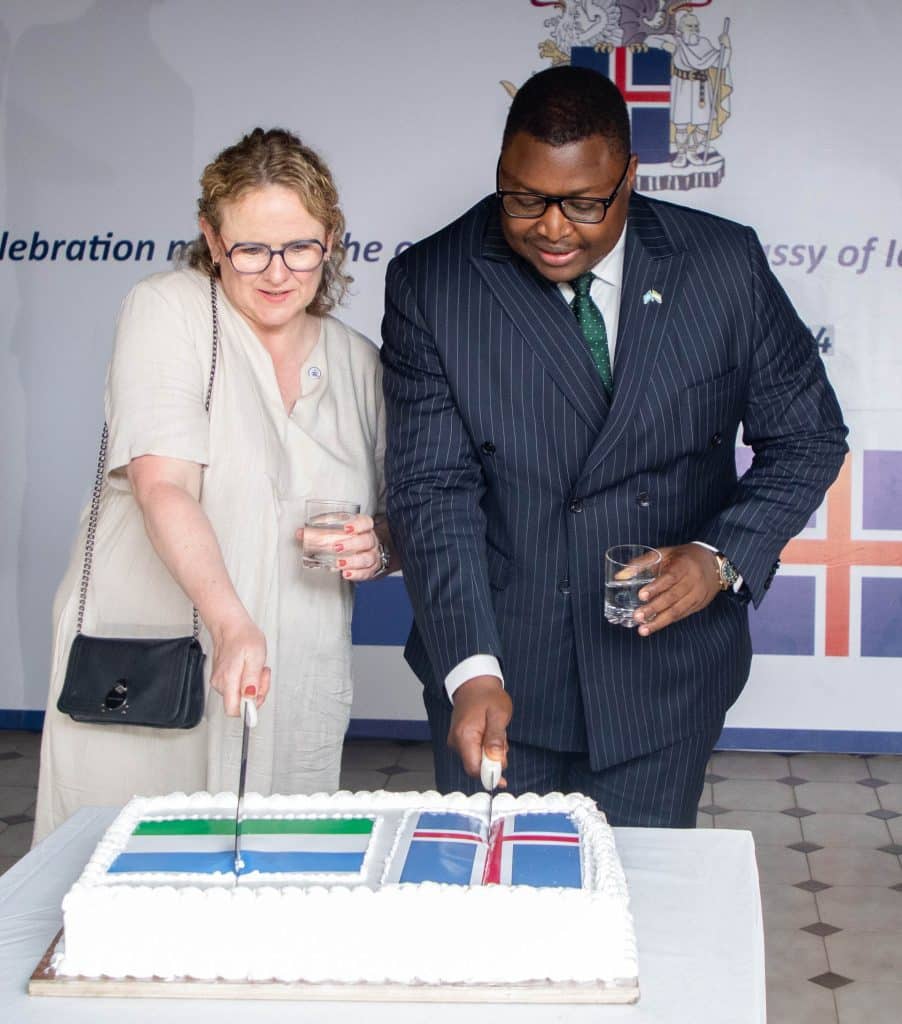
516 457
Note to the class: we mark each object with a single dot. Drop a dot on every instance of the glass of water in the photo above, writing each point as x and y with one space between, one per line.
324 527
627 568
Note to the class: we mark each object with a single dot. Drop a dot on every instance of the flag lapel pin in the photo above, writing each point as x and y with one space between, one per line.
652 295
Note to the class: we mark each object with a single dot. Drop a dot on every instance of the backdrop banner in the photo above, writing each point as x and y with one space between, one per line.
770 113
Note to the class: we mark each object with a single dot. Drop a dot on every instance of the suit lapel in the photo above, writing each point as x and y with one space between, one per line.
650 265
543 318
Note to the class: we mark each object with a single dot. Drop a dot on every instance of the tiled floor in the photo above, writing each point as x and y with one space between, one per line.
828 831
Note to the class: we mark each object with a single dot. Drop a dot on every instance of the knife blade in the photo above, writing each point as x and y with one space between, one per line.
490 776
249 717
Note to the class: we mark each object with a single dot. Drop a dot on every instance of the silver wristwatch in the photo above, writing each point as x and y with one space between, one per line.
727 573
384 561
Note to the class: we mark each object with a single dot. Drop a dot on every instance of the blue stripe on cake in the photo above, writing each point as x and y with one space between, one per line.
224 861
171 862
543 865
444 821
544 823
432 861
299 861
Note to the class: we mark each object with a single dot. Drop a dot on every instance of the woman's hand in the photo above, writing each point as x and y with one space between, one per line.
358 557
239 663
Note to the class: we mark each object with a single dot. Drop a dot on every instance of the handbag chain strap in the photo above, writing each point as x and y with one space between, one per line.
101 467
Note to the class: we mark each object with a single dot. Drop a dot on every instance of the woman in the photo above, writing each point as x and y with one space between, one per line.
204 509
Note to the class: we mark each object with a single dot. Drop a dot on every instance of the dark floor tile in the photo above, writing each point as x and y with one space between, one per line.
831 980
792 780
894 848
883 814
713 777
797 812
714 809
812 885
821 928
394 769
804 847
10 755
17 819
872 783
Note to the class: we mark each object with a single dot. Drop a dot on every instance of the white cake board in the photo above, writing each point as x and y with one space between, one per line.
46 982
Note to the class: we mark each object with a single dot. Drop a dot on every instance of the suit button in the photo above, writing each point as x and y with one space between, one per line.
564 586
488 448
642 499
716 441
576 505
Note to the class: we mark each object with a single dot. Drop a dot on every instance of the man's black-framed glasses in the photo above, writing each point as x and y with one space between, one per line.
579 209
254 257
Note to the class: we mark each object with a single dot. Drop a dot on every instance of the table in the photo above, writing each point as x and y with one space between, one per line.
695 901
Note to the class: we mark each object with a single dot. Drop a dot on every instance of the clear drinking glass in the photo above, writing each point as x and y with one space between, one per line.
324 527
627 568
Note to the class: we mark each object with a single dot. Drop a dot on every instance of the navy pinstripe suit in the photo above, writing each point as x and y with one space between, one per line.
510 473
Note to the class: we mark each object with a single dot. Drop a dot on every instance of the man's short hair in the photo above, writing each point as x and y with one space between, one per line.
568 104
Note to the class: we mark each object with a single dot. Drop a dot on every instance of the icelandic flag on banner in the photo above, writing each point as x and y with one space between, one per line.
268 845
534 849
644 80
439 847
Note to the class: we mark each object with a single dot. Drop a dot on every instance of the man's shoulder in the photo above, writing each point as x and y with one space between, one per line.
685 224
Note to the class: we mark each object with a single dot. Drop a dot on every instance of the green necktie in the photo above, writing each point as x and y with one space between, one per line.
591 323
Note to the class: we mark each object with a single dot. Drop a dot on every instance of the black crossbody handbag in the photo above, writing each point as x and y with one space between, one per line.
134 681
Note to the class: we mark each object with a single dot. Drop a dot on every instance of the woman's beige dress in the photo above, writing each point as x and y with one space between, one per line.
261 464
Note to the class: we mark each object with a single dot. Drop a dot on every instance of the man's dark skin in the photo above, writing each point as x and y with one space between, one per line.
561 250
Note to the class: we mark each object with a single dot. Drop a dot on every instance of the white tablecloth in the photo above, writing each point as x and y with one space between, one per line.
695 901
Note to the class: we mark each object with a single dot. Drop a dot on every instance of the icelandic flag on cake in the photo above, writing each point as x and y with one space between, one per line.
268 845
439 846
534 849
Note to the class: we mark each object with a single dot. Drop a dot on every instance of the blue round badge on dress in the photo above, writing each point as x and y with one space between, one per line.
315 372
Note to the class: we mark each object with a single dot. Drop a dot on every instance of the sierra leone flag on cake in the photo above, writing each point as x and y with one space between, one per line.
268 845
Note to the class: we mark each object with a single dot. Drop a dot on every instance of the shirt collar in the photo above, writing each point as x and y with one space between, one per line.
608 269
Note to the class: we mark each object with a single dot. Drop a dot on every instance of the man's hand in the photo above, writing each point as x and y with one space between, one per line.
482 709
688 581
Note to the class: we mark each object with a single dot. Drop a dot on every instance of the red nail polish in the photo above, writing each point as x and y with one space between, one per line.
339 547
342 561
349 528
250 691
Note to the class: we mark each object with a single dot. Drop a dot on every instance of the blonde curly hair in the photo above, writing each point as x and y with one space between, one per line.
275 157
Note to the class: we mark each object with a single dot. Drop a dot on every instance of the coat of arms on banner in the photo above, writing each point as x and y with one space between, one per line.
673 71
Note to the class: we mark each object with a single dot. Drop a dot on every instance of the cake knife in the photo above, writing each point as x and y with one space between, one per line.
249 717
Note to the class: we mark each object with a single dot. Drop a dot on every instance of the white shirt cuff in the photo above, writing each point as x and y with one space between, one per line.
469 668
737 586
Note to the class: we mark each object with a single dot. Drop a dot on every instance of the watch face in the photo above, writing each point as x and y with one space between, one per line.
728 573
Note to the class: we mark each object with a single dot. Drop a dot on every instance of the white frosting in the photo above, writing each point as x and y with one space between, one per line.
351 928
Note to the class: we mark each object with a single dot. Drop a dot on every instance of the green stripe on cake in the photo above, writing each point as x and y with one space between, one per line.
257 826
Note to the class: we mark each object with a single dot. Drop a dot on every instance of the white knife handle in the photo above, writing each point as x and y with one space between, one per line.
249 711
489 772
